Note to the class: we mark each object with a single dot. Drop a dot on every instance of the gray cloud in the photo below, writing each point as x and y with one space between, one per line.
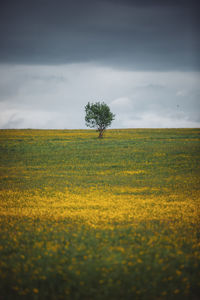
142 35
141 57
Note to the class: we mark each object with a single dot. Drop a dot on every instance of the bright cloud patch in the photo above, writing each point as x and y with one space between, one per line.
55 96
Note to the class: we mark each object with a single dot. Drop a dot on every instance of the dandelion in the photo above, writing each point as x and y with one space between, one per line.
178 272
164 293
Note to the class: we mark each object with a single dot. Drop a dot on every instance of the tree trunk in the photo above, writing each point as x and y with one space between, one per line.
100 133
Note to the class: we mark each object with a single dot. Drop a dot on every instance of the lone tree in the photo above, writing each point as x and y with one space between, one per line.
98 115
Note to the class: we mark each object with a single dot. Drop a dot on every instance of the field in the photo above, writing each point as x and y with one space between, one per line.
88 218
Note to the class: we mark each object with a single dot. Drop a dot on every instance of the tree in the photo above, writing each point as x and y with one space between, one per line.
98 115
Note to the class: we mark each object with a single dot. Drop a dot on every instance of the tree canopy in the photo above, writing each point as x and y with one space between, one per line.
99 116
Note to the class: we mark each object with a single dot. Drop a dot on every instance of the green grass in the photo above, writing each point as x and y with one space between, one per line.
85 218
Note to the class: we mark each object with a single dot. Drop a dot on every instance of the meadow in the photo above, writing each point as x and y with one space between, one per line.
88 218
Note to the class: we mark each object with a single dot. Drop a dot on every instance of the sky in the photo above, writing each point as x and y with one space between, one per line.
141 57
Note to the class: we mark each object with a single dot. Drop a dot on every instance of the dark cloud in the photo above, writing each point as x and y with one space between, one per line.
142 35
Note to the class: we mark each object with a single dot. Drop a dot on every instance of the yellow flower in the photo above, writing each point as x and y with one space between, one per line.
178 272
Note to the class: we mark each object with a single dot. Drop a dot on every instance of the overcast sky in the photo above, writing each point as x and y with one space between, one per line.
141 57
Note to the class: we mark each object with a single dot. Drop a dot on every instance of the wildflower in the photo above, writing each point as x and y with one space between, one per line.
35 291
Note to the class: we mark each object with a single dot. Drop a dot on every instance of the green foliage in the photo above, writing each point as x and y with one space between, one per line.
98 115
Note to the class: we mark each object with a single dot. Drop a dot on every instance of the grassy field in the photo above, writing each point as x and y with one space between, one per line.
84 218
